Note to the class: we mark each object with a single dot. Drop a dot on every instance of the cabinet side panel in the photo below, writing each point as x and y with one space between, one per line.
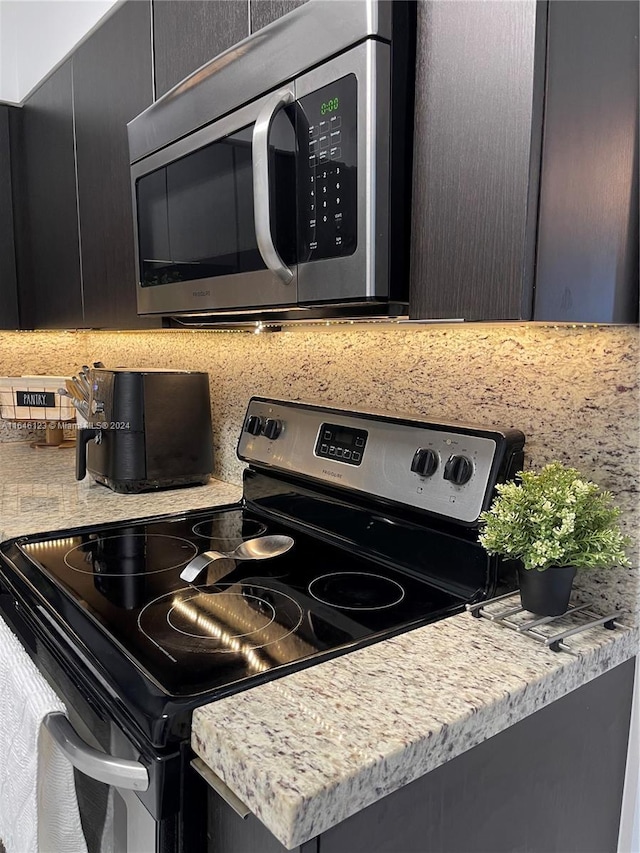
112 83
588 231
50 287
230 833
8 285
475 107
188 34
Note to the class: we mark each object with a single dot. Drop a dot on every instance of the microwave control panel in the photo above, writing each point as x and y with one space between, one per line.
328 171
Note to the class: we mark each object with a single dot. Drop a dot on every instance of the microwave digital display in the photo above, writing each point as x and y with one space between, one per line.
329 106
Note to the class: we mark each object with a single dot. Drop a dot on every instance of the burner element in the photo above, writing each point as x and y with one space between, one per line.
228 529
130 554
356 591
198 615
238 619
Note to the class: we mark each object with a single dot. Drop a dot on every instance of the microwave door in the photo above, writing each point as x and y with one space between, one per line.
205 242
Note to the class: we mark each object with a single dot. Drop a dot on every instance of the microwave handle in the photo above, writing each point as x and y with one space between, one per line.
261 206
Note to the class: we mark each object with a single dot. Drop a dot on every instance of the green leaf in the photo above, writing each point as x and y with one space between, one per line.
554 517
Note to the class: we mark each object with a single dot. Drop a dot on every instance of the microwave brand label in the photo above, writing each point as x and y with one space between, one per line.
37 399
201 293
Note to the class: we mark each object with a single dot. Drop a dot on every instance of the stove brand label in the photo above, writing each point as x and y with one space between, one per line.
36 399
335 474
201 292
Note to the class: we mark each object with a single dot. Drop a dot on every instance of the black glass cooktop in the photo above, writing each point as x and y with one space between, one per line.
243 617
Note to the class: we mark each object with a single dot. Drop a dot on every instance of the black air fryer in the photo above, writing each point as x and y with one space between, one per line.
148 429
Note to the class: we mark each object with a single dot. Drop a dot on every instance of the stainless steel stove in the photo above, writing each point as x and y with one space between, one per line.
378 515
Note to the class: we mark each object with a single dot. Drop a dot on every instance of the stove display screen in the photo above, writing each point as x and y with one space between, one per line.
341 443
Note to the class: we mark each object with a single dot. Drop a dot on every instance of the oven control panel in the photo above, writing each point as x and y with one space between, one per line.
447 470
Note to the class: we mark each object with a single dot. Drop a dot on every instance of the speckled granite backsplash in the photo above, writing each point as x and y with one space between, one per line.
573 392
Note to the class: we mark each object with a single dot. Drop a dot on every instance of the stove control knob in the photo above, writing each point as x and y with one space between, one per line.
425 461
272 428
458 470
254 425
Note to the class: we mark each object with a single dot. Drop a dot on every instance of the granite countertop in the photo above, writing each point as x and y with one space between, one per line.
39 492
307 751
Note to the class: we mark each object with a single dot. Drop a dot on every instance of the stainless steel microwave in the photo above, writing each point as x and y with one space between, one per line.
274 182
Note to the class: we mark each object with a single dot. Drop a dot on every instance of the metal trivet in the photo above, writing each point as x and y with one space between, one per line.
544 628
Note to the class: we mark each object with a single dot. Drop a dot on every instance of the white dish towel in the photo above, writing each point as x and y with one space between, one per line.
38 804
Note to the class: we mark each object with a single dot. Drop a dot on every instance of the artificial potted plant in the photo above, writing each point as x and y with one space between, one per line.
553 521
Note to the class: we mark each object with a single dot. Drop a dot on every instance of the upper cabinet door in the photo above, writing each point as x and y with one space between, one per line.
188 33
501 88
8 287
479 91
46 207
587 269
112 82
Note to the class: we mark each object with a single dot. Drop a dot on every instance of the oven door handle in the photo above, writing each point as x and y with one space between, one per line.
261 194
119 772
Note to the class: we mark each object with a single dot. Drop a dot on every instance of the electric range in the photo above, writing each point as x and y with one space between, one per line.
382 517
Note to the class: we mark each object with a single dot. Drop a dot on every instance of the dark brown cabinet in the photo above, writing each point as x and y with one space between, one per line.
188 33
481 800
112 83
587 267
46 207
525 182
229 833
72 196
479 90
8 283
525 190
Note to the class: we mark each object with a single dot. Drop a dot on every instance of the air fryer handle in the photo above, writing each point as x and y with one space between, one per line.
83 437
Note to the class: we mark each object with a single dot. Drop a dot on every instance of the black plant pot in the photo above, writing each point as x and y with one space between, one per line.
546 593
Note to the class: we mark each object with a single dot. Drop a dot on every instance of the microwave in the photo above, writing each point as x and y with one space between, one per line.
274 182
